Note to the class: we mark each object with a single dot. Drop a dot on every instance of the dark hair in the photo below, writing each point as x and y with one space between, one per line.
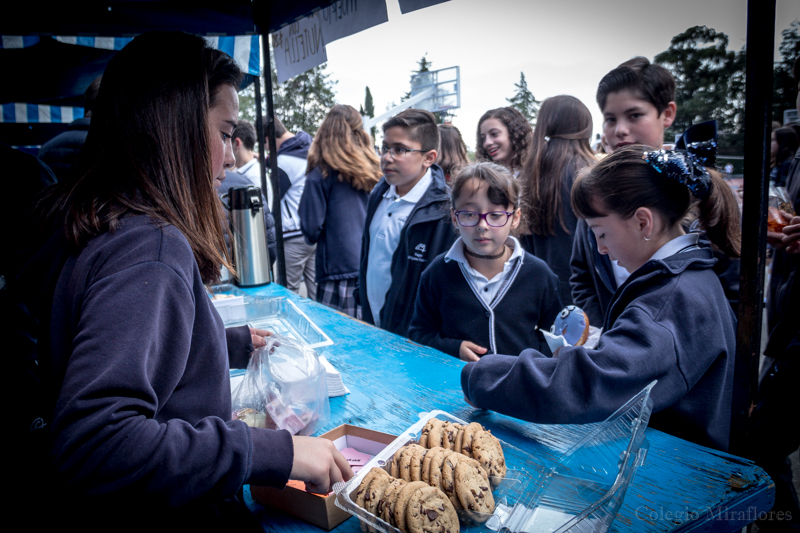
652 83
90 96
247 133
452 150
560 147
502 189
623 181
147 151
420 125
519 133
280 129
787 143
341 144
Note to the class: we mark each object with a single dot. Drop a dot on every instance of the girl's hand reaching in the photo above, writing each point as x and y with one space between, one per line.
470 351
257 337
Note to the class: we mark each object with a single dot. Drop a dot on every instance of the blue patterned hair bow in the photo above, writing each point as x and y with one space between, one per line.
687 164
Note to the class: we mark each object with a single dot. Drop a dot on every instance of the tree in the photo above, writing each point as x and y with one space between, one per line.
524 101
301 103
709 80
369 110
784 90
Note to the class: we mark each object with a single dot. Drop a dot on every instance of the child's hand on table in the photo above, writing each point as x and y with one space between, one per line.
470 351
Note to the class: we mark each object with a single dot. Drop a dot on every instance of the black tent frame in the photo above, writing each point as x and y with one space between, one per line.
242 16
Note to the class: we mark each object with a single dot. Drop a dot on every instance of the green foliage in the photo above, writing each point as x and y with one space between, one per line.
784 89
369 110
524 101
709 80
301 103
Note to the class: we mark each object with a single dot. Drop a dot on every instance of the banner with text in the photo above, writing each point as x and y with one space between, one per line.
300 46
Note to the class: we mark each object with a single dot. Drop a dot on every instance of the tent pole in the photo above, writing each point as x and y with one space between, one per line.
273 161
757 123
261 157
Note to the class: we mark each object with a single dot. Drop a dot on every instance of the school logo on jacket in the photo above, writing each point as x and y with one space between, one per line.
419 253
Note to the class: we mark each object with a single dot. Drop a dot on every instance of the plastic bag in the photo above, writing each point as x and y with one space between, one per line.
284 387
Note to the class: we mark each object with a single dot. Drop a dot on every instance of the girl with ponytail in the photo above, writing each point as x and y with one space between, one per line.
559 149
669 321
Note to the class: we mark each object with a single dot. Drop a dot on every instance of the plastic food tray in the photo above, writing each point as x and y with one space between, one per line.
581 492
279 315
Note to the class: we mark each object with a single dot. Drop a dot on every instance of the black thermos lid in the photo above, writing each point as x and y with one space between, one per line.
245 197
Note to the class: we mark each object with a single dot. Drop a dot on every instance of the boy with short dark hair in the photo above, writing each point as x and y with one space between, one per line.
638 103
408 223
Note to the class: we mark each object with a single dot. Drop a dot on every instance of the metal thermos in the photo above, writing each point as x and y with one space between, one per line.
250 254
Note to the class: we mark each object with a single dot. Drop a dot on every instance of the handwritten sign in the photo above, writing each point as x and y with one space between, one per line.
301 45
298 47
346 17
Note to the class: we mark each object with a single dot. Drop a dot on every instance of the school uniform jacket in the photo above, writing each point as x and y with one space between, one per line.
332 216
448 311
427 233
669 322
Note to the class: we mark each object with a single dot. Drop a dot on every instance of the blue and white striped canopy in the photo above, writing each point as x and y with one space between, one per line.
244 49
39 114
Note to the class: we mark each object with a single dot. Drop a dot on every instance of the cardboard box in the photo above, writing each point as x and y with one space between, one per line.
313 508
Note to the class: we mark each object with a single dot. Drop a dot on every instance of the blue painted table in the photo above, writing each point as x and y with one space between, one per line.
680 487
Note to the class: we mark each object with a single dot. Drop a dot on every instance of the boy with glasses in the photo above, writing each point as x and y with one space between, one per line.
407 221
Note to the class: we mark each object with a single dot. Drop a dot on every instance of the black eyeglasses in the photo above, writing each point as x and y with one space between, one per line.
397 151
495 219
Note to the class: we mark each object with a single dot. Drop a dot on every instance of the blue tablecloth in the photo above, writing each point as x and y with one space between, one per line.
681 486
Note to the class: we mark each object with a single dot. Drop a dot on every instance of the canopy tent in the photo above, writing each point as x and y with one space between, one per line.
34 112
43 83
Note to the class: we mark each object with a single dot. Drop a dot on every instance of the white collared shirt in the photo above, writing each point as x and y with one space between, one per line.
677 245
487 288
384 236
252 171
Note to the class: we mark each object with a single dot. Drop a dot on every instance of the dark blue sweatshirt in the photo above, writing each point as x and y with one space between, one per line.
140 377
448 311
332 215
669 322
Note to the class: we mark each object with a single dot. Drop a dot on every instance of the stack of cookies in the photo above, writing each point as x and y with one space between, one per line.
462 479
412 507
452 467
472 440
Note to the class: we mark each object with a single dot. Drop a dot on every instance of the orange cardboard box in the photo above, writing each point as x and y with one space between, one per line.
318 509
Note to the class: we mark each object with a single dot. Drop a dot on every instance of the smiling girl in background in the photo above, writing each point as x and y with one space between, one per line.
669 321
485 295
504 137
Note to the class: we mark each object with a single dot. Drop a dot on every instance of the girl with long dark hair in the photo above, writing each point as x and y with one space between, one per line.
559 149
131 352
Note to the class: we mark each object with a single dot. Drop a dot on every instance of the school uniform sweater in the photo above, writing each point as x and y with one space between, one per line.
139 375
448 311
427 233
332 215
669 322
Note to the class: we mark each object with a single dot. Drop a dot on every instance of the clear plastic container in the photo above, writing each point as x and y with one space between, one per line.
279 315
581 492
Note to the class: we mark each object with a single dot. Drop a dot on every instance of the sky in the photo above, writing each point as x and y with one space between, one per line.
563 47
